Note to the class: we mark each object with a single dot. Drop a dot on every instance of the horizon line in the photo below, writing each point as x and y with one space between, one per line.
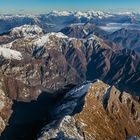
23 11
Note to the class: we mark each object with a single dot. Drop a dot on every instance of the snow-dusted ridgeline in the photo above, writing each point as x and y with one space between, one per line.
27 31
45 38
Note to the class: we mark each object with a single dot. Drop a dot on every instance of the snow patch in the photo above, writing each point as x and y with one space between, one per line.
80 90
10 54
44 39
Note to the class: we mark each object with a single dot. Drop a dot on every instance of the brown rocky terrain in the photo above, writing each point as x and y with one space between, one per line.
107 114
5 108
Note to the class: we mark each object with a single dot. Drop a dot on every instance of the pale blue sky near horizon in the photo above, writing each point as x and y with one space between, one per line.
42 6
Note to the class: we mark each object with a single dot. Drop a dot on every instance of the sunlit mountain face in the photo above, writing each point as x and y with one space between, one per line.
70 76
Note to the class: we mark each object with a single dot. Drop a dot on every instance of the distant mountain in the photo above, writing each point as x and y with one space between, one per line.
83 30
26 31
126 38
56 20
9 22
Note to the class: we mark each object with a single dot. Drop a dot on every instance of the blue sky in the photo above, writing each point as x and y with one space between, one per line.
41 6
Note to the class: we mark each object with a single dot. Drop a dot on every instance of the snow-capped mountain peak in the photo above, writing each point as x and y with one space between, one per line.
60 13
45 38
80 14
26 31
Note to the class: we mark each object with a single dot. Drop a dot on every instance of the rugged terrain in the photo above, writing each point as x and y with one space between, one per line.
124 37
48 80
107 114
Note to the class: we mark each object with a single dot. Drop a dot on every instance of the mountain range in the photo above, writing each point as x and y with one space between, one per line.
70 76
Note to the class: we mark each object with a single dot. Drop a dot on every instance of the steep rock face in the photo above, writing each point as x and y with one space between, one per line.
110 114
116 67
107 114
5 108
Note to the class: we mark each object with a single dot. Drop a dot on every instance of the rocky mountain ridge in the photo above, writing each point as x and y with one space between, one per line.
123 37
94 111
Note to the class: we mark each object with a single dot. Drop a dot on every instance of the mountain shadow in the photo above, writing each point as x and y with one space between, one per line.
27 119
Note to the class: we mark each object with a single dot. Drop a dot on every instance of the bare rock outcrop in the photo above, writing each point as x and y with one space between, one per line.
5 109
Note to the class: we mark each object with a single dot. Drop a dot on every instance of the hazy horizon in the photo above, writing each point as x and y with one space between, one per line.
43 6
